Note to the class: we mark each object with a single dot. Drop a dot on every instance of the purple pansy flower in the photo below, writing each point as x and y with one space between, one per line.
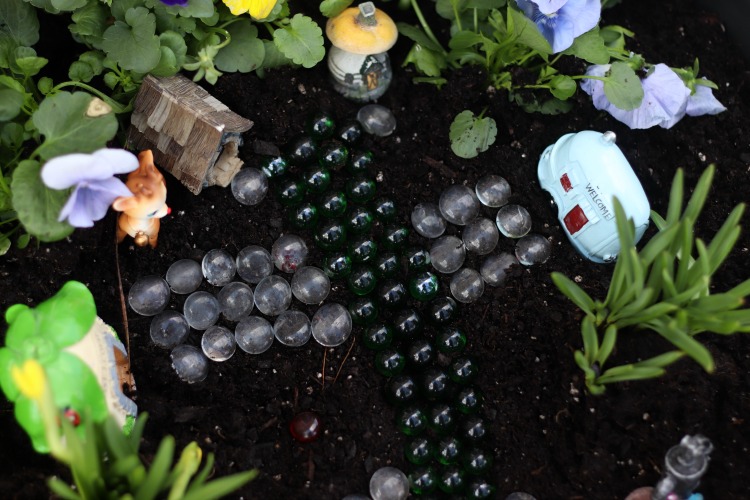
93 176
561 21
178 3
703 102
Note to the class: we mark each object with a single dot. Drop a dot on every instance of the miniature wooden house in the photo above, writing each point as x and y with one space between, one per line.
192 135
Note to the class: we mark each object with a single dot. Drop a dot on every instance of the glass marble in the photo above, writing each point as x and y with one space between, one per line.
363 249
333 155
533 249
363 311
350 132
392 293
420 353
316 179
449 448
389 483
169 329
305 427
463 370
331 235
458 205
304 216
492 191
337 265
473 429
469 400
513 221
480 488
376 120
477 461
427 220
386 265
467 285
360 161
235 300
190 364
407 324
401 389
480 236
273 295
331 325
288 253
275 166
201 310
424 286
423 480
218 266
362 280
435 384
358 220
411 420
320 125
419 450
494 268
149 295
417 259
452 480
302 150
218 343
441 310
254 263
249 186
332 204
447 254
519 495
184 276
450 340
291 192
441 418
292 328
394 237
385 209
390 362
254 335
377 337
310 285
360 188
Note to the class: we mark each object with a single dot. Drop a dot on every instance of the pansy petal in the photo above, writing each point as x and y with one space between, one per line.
582 14
110 188
703 102
562 36
118 161
69 205
77 212
237 7
549 6
65 171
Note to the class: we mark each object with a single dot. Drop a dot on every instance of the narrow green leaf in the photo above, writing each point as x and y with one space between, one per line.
62 489
122 467
686 296
676 194
659 222
629 373
658 310
682 276
639 303
616 284
574 292
741 290
662 360
416 35
688 345
607 346
700 193
527 33
590 339
718 302
200 478
726 237
657 244
158 472
221 487
332 8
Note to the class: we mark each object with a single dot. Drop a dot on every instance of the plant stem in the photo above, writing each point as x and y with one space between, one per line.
425 26
116 106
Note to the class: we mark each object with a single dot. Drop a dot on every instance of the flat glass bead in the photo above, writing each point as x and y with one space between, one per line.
494 268
447 254
441 419
519 495
360 161
390 362
316 179
463 370
362 280
449 448
302 150
201 310
385 209
363 249
452 480
320 125
254 335
476 461
389 483
427 220
218 266
459 205
235 300
474 429
274 166
386 265
441 310
304 216
492 191
467 285
218 343
358 220
249 186
395 237
411 421
377 337
401 389
190 364
420 354
419 450
480 488
291 192
513 221
305 427
376 120
330 236
435 384
424 286
417 259
392 293
292 328
332 204
533 249
337 265
450 340
480 236
423 480
350 132
169 329
254 263
310 285
273 295
331 325
407 324
469 400
288 253
149 295
360 189
184 276
333 155
363 311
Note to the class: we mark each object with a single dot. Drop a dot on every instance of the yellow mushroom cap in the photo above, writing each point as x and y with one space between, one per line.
346 32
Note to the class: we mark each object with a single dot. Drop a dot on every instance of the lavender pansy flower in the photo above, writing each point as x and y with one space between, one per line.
561 21
703 102
93 176
178 3
665 98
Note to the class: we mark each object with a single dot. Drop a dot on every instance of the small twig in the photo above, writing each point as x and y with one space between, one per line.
354 339
484 314
310 466
325 352
268 424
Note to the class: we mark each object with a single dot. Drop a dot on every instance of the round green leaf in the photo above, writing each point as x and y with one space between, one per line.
10 104
18 19
245 52
133 43
301 41
471 135
622 86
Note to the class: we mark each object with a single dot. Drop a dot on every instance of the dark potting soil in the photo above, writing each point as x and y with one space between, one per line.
548 436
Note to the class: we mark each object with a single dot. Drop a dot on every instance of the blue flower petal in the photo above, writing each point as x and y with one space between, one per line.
549 6
703 102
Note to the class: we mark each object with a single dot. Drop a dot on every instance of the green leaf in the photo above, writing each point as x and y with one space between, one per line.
416 35
62 120
574 292
607 345
195 8
38 207
272 56
89 23
332 8
133 43
11 102
11 136
61 489
687 344
18 19
428 62
68 5
80 72
27 62
562 87
155 479
590 47
700 194
662 360
301 41
676 194
622 86
221 487
245 52
656 311
173 51
7 50
4 244
527 32
590 339
629 372
471 135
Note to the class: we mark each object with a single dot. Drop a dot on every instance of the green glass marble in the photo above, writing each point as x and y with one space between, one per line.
400 390
435 384
450 340
423 480
463 370
441 418
291 192
389 362
363 311
417 259
392 293
387 265
362 280
480 488
452 480
407 324
377 337
320 125
395 237
385 209
419 450
476 461
274 166
333 155
332 204
358 220
424 286
304 216
302 150
350 132
473 429
360 189
420 354
330 236
469 400
363 249
360 161
441 310
337 265
316 179
411 421
448 450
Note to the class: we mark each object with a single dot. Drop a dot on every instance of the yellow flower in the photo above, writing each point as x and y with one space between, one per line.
259 9
30 379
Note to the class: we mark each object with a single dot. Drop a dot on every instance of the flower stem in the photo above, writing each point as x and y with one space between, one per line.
425 26
116 106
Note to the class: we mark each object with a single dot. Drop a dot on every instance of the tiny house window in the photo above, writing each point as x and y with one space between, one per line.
575 219
565 182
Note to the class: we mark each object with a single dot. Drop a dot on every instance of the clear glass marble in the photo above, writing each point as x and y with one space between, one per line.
467 285
310 285
389 483
292 328
169 329
149 295
184 276
273 295
480 236
447 254
331 325
494 268
289 253
533 249
513 221
249 186
218 267
201 310
427 220
218 343
235 300
254 264
459 205
492 191
376 120
190 363
254 335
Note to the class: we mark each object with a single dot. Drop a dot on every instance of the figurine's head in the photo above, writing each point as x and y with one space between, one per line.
149 191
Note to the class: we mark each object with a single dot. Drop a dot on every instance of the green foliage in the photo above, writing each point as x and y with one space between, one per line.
471 135
301 41
664 288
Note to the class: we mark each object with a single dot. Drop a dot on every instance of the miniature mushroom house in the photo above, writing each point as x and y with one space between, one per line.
358 61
